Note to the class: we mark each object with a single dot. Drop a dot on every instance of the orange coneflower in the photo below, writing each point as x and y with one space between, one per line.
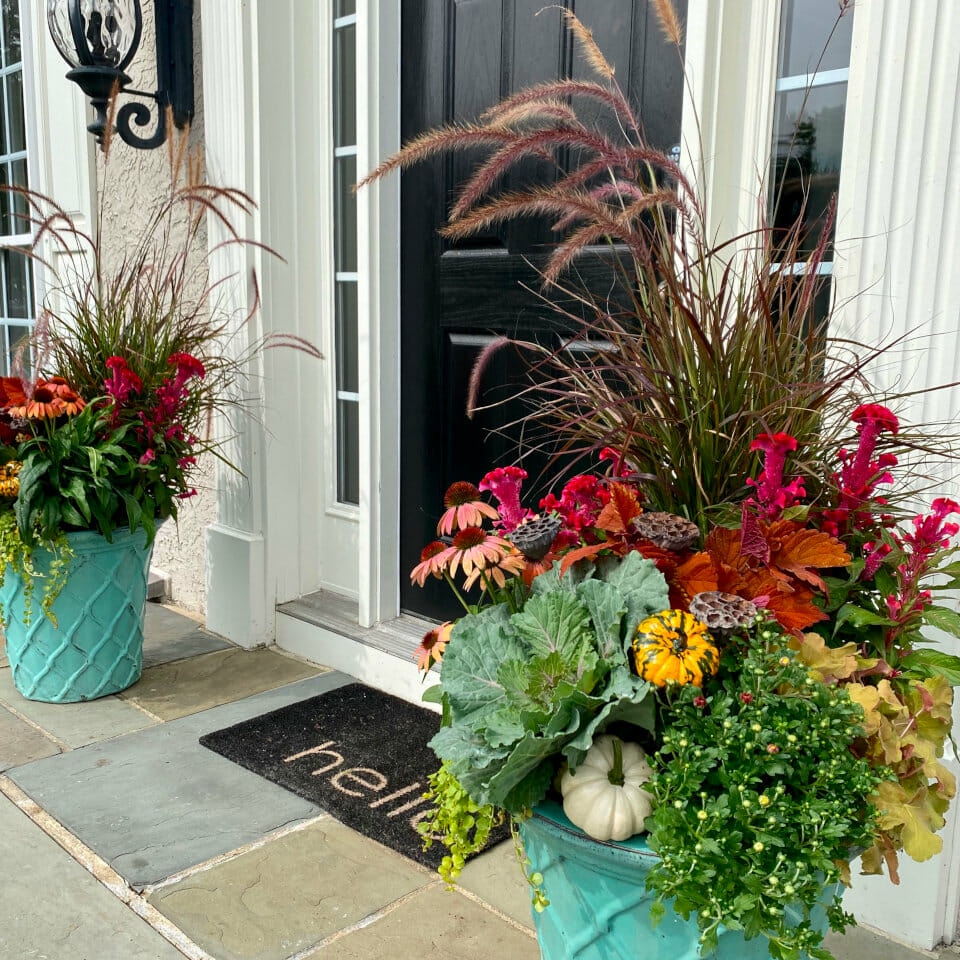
479 553
464 508
432 646
51 398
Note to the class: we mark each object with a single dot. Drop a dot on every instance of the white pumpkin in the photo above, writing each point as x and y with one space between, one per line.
606 803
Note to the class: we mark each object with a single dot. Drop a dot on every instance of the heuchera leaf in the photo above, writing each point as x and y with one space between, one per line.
827 663
914 818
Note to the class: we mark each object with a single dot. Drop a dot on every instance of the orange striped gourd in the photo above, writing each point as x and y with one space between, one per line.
673 646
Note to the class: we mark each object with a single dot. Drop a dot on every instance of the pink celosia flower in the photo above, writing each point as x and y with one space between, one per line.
122 380
620 466
860 472
877 416
505 483
873 555
773 495
932 533
579 506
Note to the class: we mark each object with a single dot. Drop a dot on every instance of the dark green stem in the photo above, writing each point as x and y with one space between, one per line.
615 776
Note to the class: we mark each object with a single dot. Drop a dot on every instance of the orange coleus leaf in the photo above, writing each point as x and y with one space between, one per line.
617 516
666 560
695 575
723 545
799 552
794 608
12 393
581 553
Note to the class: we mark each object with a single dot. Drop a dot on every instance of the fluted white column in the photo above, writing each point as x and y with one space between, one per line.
898 235
239 595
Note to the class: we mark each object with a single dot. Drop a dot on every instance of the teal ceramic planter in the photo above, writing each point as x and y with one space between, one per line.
599 905
96 646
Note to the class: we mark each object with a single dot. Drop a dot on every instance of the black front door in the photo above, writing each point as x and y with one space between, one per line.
458 58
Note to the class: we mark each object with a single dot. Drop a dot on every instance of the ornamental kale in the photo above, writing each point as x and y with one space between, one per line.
523 690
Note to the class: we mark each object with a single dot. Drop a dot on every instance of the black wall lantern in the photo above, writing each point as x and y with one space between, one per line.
99 38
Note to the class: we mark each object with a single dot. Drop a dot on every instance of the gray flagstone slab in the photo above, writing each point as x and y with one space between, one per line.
21 743
76 724
51 907
279 899
154 803
169 635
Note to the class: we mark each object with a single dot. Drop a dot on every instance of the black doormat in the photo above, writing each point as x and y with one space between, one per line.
360 754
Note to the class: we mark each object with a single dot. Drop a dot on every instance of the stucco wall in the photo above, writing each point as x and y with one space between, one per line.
130 184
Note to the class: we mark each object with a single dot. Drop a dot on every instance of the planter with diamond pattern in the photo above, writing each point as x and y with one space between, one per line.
94 645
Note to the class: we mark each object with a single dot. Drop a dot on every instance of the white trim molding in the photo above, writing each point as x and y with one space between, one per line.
378 236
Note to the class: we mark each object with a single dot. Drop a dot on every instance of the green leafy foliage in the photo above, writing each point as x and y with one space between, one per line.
760 801
523 690
73 477
461 824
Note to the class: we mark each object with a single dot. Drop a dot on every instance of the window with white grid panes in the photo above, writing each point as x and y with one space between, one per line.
345 249
809 106
16 269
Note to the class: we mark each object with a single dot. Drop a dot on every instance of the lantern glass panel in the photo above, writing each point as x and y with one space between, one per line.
109 30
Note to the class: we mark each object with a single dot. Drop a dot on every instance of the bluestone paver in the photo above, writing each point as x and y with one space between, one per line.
858 943
76 724
496 878
183 687
52 909
434 922
169 635
279 899
20 742
155 803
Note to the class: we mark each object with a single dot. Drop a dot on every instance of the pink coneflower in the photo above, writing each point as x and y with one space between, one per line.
480 555
464 508
433 562
51 398
432 646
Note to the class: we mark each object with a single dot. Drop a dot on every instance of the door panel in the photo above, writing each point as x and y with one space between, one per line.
458 58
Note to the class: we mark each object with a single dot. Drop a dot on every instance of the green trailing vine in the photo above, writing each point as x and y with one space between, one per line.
461 824
19 557
538 898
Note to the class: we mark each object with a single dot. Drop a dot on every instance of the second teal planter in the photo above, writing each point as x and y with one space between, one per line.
599 905
96 646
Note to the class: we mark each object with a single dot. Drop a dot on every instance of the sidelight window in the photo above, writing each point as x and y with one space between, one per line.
345 249
17 309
